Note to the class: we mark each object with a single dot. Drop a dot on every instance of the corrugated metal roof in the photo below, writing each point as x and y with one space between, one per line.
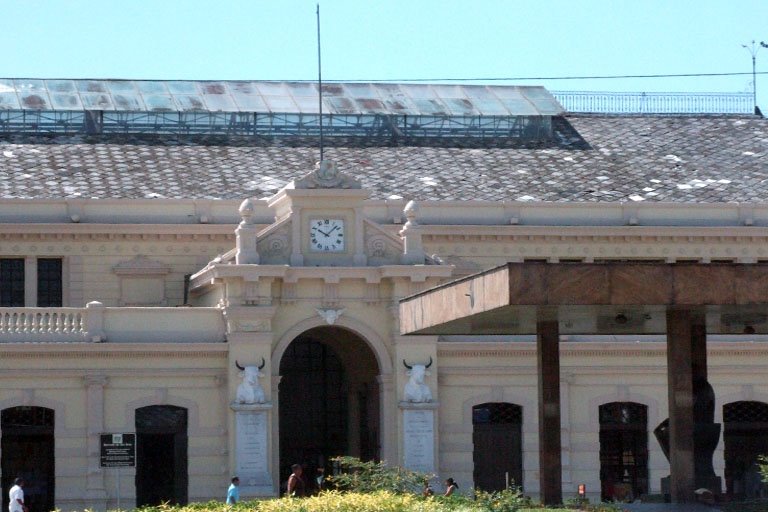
276 97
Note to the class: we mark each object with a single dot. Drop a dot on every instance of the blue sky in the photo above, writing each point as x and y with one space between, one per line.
390 40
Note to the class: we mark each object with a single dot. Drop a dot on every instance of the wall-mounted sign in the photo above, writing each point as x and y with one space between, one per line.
118 450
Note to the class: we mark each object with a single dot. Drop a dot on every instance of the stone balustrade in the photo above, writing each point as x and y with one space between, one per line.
42 324
96 323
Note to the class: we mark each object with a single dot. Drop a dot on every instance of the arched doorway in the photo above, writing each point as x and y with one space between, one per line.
745 436
497 436
161 455
28 452
623 450
328 400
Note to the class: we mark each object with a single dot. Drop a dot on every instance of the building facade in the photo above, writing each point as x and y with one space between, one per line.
236 306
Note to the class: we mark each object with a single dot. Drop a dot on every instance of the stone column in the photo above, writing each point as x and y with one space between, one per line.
550 457
95 492
680 390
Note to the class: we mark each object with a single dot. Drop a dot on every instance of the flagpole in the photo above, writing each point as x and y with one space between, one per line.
319 83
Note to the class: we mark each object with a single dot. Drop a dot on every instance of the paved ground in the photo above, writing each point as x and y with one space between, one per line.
668 507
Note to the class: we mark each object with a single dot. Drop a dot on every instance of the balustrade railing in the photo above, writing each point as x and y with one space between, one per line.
655 102
65 324
96 324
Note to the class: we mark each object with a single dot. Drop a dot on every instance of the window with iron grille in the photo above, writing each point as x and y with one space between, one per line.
49 288
12 282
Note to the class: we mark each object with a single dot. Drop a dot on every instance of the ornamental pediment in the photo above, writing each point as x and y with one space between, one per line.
141 266
326 175
381 248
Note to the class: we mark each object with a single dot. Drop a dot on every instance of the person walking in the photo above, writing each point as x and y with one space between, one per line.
296 486
233 493
16 495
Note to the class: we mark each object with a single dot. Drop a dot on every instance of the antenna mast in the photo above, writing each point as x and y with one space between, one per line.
319 83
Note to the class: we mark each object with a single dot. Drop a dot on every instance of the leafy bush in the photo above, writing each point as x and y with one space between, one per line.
365 477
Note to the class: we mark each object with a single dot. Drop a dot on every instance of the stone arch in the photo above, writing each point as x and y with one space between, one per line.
745 394
497 395
374 341
650 402
192 407
59 411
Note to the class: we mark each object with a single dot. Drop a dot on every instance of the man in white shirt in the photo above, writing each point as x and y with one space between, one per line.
16 495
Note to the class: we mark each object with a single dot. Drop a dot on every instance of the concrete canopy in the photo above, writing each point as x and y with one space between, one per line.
592 298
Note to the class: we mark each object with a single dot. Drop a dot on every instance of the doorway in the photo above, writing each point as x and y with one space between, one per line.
28 452
328 401
623 451
745 437
161 455
497 436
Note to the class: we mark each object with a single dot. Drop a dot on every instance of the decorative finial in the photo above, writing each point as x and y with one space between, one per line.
411 210
246 211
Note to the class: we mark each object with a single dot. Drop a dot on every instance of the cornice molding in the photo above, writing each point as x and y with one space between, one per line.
590 350
44 228
655 234
332 275
82 350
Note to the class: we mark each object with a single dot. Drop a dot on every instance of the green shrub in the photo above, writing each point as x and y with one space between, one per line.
365 477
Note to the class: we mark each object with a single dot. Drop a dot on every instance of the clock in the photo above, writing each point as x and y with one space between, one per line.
326 235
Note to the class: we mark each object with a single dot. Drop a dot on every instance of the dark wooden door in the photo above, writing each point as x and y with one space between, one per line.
28 452
161 455
497 456
498 446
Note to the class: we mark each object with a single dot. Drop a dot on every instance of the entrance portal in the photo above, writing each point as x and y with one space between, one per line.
497 436
28 452
623 451
745 437
329 401
161 455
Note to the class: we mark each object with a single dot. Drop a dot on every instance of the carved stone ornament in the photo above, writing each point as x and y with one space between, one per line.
416 390
326 175
262 325
249 391
275 247
330 315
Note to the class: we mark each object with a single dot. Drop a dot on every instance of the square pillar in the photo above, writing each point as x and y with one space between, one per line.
680 367
550 457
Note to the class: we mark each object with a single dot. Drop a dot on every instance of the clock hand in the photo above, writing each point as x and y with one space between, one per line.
323 232
334 229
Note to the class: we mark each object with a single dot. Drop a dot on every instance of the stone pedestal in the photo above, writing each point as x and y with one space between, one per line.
419 436
252 447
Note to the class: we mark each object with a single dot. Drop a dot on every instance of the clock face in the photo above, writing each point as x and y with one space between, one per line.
326 235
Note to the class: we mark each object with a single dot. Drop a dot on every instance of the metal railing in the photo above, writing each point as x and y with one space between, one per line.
655 102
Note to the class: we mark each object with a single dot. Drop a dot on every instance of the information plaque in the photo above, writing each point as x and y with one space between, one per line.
118 450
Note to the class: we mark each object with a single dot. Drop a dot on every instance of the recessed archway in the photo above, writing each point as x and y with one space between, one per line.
328 400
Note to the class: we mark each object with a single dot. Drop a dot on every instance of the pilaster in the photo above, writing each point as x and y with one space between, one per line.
95 492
